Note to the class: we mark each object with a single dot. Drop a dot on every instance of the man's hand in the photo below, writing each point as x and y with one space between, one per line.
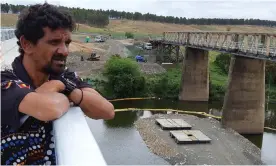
93 104
51 86
90 101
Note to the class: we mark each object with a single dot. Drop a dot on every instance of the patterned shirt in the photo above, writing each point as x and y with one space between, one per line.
24 139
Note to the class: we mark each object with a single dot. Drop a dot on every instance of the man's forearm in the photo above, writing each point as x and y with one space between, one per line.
44 106
93 104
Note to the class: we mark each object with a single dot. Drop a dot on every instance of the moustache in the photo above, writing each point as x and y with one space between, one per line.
58 57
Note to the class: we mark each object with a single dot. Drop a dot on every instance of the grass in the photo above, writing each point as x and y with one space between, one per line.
8 20
212 56
146 28
106 31
216 75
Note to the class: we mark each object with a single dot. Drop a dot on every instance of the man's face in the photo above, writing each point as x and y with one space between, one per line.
51 51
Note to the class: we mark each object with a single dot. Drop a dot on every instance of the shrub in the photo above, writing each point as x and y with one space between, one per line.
270 72
228 29
165 85
129 35
124 77
216 92
223 62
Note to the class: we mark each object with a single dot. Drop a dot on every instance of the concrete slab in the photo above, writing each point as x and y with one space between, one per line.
226 148
189 136
173 124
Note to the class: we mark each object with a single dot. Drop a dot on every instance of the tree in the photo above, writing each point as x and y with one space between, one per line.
14 8
102 16
5 7
124 77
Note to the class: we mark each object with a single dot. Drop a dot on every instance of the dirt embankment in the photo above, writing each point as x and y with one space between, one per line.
105 50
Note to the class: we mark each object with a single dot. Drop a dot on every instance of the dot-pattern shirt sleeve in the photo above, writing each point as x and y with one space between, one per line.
13 92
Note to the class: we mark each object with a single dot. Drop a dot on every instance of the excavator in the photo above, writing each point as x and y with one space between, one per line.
93 57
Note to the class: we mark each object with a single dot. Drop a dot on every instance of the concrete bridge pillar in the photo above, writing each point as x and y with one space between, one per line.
195 76
244 102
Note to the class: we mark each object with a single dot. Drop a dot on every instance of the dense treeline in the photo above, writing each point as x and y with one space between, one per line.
101 18
91 17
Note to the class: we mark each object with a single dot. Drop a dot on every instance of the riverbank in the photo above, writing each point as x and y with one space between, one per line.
160 81
166 84
227 146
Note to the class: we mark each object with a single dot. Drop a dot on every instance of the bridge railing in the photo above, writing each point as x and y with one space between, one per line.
74 142
253 43
7 33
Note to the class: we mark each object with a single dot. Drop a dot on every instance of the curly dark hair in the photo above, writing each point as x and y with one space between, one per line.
32 20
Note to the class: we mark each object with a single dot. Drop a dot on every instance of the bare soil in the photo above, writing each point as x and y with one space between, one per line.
105 50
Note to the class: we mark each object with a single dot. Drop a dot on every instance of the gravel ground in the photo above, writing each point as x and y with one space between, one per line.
151 68
227 146
105 50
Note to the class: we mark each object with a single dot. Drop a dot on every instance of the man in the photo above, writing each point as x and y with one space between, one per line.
39 88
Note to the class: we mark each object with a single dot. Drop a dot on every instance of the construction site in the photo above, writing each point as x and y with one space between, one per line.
88 57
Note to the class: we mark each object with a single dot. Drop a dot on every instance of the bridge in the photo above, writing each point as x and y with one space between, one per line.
244 102
253 45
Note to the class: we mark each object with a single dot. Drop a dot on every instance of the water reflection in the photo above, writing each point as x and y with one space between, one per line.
120 143
255 139
123 119
269 148
266 141
270 117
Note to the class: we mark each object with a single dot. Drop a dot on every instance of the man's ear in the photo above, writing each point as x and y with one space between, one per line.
26 45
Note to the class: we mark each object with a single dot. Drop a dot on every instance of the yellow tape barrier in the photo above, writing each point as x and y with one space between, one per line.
181 111
168 109
134 98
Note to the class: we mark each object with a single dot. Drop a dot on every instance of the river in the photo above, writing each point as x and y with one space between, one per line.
121 143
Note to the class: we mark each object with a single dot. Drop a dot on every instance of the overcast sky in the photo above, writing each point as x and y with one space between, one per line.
262 9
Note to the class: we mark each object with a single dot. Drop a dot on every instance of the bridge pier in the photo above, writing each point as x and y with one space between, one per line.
244 102
195 76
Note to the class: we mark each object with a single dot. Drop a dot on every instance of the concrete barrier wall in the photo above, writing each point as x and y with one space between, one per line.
7 34
74 142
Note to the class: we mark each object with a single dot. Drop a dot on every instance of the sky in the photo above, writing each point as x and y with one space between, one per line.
258 9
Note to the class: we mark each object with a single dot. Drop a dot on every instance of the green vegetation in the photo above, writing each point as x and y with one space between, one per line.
129 35
101 17
165 85
124 79
223 62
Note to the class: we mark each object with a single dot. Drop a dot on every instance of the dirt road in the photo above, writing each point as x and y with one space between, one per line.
105 50
115 47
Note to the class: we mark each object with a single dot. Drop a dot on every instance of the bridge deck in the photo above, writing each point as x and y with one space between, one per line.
254 45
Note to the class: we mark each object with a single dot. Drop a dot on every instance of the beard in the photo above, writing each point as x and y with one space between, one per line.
56 66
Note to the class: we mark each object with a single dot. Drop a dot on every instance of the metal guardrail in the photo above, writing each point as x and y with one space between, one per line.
245 44
75 144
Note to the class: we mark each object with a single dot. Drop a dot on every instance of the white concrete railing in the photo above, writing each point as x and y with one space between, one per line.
9 50
7 34
75 145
